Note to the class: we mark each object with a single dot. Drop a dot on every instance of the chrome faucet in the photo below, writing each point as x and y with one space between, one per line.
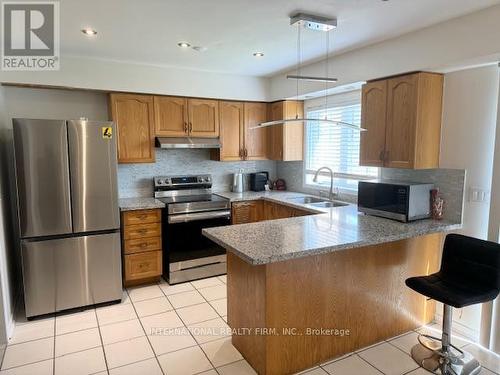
331 194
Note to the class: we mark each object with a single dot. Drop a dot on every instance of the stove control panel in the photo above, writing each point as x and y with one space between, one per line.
182 182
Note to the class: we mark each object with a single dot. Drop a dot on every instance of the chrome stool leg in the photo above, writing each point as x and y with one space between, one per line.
440 356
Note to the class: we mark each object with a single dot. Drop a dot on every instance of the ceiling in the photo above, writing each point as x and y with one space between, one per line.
147 31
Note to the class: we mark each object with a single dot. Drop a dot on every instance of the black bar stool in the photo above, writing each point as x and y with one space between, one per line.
469 274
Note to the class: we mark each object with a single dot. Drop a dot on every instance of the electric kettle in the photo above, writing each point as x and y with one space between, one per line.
238 182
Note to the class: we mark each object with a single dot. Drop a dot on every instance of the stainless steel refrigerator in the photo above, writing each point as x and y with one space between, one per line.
68 213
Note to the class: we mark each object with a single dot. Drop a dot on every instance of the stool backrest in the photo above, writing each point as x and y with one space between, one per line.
471 261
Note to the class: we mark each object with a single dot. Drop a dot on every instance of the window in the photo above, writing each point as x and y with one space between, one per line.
334 146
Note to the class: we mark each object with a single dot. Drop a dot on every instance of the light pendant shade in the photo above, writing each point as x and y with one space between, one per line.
311 78
321 121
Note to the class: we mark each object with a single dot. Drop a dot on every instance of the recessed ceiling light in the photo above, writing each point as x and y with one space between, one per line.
258 54
184 44
89 31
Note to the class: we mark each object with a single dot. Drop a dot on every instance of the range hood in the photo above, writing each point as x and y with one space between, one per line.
187 142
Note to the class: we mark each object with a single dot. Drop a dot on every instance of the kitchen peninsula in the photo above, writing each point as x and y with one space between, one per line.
315 287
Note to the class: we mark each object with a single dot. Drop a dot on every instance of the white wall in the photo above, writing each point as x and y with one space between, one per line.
490 334
6 297
460 42
121 76
6 272
468 141
53 104
468 137
494 225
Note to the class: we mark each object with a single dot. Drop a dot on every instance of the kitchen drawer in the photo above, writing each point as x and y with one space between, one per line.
141 231
143 265
141 217
140 245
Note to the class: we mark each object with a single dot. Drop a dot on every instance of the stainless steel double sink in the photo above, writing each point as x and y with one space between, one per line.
317 202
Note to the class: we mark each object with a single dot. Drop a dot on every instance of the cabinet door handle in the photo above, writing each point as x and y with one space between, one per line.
381 155
185 127
246 153
190 127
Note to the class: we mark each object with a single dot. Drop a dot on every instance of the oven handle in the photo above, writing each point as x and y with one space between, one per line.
184 218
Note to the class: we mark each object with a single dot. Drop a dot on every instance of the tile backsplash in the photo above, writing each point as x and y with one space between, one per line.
136 180
451 184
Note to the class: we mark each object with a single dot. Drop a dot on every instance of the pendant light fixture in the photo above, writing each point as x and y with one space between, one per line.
317 23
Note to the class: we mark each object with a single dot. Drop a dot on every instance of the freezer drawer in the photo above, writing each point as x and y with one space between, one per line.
71 272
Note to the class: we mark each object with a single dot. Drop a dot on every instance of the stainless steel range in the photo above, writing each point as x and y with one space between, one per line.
190 207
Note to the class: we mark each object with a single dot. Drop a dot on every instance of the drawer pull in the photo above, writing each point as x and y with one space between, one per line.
144 244
142 231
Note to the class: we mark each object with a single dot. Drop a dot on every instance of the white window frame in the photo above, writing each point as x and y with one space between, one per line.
319 104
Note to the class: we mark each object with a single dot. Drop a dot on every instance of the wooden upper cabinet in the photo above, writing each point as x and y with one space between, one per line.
276 111
231 130
255 140
401 120
409 119
134 119
203 118
238 141
286 142
373 117
171 116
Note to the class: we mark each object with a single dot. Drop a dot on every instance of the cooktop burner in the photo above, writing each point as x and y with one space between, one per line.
186 194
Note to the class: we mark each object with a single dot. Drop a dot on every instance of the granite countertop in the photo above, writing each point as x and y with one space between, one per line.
130 204
329 229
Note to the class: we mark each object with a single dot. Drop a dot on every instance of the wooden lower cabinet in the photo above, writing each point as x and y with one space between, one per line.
141 231
142 249
143 265
273 211
260 210
142 217
360 292
247 212
140 245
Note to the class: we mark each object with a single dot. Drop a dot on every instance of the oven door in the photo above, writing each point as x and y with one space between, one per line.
188 255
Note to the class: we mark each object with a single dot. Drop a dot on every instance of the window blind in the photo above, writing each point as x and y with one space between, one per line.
334 146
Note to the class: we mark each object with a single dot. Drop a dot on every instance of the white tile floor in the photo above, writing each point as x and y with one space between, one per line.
121 340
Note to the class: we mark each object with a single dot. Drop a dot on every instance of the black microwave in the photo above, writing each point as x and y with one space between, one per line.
402 201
